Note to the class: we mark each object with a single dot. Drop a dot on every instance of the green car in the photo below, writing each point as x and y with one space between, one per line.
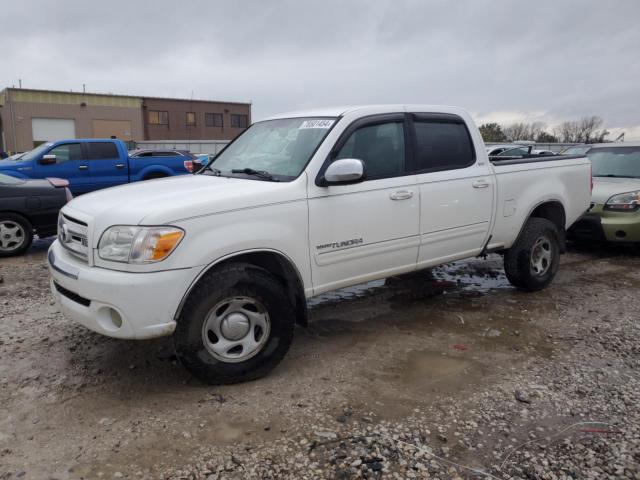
614 215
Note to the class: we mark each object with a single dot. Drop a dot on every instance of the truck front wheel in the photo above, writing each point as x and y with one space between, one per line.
237 326
533 261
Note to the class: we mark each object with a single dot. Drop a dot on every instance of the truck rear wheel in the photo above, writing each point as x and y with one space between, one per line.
237 326
16 234
532 262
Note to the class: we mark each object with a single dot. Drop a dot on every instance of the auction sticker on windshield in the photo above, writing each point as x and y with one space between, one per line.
322 123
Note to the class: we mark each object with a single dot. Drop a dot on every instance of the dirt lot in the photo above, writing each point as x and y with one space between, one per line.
403 378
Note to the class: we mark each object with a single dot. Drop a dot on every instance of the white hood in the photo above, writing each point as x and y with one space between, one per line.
168 200
606 187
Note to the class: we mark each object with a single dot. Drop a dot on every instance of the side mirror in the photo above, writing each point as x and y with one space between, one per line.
344 172
47 160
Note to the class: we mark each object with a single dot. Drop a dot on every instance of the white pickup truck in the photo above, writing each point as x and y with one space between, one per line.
297 205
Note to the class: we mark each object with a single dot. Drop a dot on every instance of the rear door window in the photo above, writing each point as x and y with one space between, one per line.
102 151
442 144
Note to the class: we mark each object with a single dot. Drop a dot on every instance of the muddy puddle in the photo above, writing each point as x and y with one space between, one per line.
475 275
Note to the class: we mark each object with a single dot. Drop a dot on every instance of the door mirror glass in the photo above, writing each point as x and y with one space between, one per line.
344 171
47 160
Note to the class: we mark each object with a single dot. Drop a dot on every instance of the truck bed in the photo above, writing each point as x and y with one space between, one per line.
519 191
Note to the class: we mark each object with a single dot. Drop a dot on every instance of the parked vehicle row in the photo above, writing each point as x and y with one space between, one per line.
28 207
298 205
94 164
614 213
513 150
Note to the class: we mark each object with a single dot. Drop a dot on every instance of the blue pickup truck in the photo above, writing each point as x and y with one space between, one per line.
92 164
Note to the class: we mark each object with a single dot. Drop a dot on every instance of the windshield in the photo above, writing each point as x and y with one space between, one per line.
514 152
577 150
36 152
15 157
615 161
9 180
280 147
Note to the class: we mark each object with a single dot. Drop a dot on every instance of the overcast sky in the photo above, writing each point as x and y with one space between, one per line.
503 60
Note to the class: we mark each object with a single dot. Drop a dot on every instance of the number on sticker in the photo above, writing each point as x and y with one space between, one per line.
323 123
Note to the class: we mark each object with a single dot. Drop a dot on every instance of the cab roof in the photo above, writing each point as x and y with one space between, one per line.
345 109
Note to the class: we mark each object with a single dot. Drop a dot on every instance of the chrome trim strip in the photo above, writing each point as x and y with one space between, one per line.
71 272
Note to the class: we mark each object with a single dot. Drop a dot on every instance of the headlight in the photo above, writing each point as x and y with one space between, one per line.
138 244
624 202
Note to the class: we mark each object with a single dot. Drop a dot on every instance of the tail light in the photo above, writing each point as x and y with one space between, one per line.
193 166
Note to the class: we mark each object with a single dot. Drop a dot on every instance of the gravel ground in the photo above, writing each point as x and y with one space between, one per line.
442 374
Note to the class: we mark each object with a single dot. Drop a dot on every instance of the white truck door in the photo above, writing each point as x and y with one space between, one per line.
456 187
366 230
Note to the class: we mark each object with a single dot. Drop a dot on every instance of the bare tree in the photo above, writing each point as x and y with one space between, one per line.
524 131
516 131
585 130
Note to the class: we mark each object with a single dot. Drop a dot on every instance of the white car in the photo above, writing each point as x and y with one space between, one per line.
497 149
300 204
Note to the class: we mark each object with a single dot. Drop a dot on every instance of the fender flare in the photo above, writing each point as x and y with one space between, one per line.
155 168
301 304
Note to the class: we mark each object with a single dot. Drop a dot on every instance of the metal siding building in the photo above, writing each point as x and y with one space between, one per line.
30 117
171 122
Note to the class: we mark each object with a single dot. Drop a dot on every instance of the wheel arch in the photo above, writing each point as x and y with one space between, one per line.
20 214
150 170
276 263
554 211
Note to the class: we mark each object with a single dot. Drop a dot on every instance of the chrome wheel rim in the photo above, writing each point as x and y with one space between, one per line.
236 329
541 256
12 235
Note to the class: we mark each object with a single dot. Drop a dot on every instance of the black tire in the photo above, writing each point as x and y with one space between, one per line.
16 234
234 281
538 234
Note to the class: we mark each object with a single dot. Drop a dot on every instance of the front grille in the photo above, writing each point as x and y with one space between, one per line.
75 220
72 234
71 295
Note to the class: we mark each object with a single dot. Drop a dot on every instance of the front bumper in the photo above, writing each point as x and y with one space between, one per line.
114 303
601 225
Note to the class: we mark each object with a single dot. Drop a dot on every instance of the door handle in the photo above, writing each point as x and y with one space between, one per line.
401 195
83 167
119 165
482 183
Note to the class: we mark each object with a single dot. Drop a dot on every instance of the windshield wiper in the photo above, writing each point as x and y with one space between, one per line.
215 171
256 173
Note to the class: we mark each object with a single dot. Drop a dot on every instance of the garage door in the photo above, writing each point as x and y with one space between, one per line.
112 128
50 129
